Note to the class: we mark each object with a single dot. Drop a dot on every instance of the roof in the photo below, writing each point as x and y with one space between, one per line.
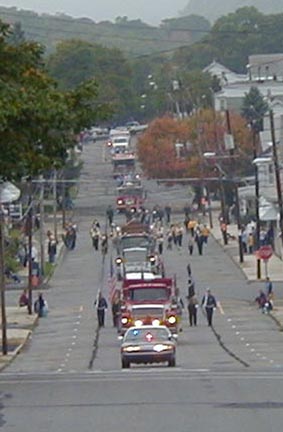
239 89
223 73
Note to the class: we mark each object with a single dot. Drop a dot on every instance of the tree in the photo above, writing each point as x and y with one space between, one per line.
37 121
76 61
254 107
157 151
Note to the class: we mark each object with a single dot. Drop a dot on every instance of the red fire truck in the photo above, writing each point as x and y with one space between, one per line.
130 196
123 163
149 302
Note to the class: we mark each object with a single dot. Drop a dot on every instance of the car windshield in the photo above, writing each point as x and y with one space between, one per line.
145 334
142 294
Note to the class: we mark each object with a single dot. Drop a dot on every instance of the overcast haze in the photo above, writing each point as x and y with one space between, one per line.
149 11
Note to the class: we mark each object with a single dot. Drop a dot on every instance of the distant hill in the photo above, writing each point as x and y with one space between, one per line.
133 37
214 9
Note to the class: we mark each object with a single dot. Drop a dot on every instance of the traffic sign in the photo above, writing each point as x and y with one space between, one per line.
265 252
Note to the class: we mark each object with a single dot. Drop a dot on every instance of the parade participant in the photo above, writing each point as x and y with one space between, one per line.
95 236
191 245
110 214
192 310
209 304
167 210
101 307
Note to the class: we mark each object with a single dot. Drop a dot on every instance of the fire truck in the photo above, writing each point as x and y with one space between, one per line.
123 163
149 302
130 196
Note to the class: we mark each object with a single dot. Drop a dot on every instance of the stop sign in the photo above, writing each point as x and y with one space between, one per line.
265 252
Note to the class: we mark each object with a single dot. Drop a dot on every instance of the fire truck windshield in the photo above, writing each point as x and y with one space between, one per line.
138 241
144 294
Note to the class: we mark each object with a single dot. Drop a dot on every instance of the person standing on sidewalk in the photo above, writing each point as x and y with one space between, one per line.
101 307
209 304
52 248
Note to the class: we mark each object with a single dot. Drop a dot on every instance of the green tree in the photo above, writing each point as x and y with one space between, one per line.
76 61
37 121
254 107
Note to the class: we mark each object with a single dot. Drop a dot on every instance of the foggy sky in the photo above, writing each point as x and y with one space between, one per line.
149 11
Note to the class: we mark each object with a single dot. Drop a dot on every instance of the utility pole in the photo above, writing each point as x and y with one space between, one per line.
239 225
258 262
3 286
63 204
277 173
29 226
55 204
41 227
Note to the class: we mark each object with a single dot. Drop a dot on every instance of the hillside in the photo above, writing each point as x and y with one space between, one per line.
134 38
216 8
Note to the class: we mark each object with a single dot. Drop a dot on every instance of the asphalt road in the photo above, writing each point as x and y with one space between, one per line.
69 377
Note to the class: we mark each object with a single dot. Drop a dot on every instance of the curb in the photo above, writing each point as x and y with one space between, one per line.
9 358
218 241
277 321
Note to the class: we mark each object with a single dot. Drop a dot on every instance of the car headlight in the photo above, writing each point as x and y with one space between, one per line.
162 347
131 349
120 202
124 320
172 319
156 322
138 323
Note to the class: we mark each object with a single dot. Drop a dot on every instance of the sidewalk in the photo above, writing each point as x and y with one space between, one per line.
19 329
19 323
274 267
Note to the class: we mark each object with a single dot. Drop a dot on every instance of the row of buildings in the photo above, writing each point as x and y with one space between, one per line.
266 73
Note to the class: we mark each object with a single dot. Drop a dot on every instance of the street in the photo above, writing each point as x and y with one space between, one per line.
69 376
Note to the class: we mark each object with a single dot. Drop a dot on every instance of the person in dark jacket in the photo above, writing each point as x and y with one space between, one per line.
192 309
209 304
39 305
101 307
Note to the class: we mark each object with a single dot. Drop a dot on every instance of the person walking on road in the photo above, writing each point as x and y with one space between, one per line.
110 214
209 304
167 211
95 236
192 310
191 287
191 245
101 307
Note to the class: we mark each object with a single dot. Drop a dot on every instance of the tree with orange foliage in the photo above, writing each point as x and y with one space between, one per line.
157 151
204 131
